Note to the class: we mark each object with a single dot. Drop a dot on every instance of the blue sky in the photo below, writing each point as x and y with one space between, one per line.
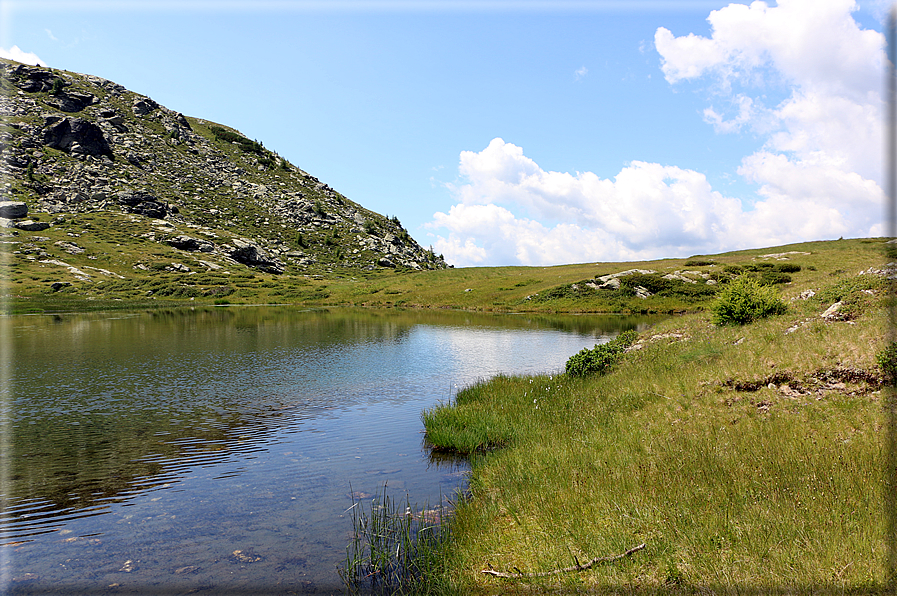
533 133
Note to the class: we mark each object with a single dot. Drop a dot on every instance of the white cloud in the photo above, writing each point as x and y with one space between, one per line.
50 35
830 67
818 172
581 73
647 211
14 53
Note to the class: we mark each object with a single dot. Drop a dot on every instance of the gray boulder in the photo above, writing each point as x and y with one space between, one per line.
144 106
250 254
191 244
833 313
72 102
143 203
32 226
33 79
13 209
115 119
75 135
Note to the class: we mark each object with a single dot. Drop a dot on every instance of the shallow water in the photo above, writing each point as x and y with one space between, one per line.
215 451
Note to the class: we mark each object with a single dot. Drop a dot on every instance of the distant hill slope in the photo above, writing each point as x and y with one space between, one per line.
165 192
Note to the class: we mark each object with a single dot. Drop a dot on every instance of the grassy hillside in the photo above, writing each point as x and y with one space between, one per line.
747 458
121 264
101 184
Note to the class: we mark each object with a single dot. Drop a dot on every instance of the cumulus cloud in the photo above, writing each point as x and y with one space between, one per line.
817 175
14 53
830 68
646 211
581 72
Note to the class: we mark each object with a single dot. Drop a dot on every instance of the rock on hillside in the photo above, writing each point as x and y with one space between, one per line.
74 143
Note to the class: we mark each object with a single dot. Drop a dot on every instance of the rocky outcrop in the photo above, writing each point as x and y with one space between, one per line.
246 252
612 280
72 102
144 204
143 106
75 136
32 79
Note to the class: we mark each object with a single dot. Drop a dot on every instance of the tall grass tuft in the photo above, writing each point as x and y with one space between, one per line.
395 548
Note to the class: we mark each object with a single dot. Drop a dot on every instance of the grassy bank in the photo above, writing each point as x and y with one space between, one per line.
744 457
108 277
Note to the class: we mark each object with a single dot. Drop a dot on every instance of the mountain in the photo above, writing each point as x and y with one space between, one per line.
147 190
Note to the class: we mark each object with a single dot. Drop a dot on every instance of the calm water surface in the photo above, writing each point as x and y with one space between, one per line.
216 451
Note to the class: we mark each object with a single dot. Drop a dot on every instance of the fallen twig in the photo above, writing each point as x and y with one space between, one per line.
576 567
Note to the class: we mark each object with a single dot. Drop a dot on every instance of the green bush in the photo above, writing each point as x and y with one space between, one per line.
734 269
600 358
887 362
788 267
246 145
744 300
652 282
771 278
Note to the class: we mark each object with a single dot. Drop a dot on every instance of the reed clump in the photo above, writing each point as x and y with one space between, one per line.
395 548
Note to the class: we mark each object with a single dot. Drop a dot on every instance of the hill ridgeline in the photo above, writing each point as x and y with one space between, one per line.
196 195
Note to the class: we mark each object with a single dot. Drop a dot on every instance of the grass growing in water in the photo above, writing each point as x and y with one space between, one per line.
395 548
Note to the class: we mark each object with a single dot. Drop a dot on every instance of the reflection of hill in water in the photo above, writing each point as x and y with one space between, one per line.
107 407
64 469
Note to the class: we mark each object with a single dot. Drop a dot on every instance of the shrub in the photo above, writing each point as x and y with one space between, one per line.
744 300
600 358
734 269
652 282
887 362
770 278
788 267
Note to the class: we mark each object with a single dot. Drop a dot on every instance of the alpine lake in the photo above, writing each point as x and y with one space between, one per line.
218 450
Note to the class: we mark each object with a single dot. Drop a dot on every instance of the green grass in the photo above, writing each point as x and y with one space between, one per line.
746 458
120 244
395 547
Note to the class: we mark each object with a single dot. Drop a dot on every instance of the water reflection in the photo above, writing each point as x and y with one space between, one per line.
128 427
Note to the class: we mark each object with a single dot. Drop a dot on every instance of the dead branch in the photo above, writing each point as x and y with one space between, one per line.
576 567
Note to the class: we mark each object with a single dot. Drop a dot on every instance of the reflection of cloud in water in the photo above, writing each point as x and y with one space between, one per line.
486 352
